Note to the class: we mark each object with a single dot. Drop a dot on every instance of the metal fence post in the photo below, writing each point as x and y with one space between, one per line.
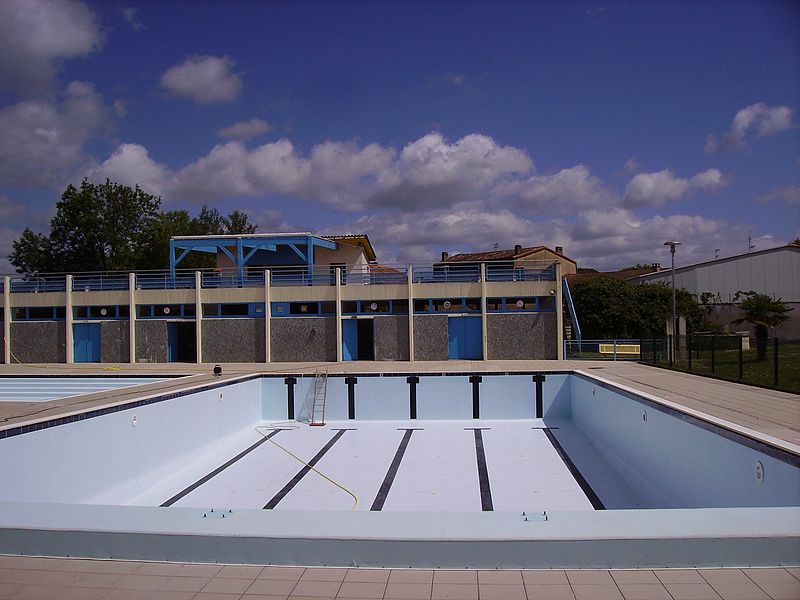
775 364
689 349
713 354
741 358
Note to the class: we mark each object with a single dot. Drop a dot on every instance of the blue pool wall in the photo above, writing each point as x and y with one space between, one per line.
671 460
438 396
75 462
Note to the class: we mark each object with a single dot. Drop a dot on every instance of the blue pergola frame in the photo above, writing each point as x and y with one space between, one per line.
246 247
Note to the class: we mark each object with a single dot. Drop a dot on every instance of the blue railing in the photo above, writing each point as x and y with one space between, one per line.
282 276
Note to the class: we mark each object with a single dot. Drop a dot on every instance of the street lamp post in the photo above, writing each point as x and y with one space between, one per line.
672 244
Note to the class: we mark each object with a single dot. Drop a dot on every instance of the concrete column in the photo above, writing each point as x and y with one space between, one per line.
338 314
484 325
267 317
198 313
559 313
132 317
68 322
7 319
410 273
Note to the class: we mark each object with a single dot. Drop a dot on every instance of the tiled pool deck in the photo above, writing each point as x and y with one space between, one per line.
776 414
25 578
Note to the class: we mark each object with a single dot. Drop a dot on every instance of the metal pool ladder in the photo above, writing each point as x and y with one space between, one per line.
320 393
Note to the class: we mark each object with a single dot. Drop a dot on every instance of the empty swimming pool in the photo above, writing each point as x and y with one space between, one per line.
43 389
406 470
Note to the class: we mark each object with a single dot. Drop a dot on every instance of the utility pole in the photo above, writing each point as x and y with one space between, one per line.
672 244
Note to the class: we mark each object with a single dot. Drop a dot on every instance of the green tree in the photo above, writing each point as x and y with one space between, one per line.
763 313
99 227
112 227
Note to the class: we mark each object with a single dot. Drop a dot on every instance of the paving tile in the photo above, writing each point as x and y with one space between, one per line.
102 580
240 571
678 576
21 576
454 591
549 591
596 591
316 588
185 584
769 575
324 574
80 593
216 596
453 576
362 589
411 576
794 572
634 576
221 585
545 577
99 566
285 573
407 591
8 591
504 577
293 597
369 575
779 590
141 582
501 591
155 568
739 591
37 592
266 597
591 576
643 591
274 587
24 562
126 595
691 591
198 570
724 576
167 595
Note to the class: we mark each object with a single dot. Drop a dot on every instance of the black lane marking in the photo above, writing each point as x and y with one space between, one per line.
538 379
383 492
475 380
351 396
219 469
483 472
597 504
304 471
290 382
412 396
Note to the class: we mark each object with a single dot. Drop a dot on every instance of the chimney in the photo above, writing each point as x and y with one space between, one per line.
517 250
445 256
656 267
559 249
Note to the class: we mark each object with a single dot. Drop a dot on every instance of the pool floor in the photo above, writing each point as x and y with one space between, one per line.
386 465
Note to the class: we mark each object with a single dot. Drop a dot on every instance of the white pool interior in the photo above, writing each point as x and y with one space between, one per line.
43 389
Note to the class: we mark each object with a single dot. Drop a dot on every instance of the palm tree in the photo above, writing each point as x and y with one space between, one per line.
762 312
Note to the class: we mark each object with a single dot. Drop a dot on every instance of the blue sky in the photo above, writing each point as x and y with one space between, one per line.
605 128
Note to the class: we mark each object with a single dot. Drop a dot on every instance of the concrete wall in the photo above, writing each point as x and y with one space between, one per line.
151 341
303 339
233 340
391 338
115 341
430 337
724 314
39 342
523 336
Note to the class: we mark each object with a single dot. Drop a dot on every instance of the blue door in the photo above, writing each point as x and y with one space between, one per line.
86 342
465 338
349 339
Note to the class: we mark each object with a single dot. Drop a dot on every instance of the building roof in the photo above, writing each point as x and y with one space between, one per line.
624 275
510 254
355 239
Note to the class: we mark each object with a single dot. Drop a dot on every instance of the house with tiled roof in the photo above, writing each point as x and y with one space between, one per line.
514 257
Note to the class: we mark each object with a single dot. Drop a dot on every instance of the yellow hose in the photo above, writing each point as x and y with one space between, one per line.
320 473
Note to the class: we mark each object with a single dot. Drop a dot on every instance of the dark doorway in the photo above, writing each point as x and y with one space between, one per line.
181 342
366 339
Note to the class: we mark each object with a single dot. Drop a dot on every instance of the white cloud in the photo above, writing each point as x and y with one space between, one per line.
131 16
564 192
632 166
120 108
245 130
130 164
759 119
661 187
790 194
204 79
35 35
42 142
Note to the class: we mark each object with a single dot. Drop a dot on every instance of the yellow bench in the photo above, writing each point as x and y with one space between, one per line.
621 349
